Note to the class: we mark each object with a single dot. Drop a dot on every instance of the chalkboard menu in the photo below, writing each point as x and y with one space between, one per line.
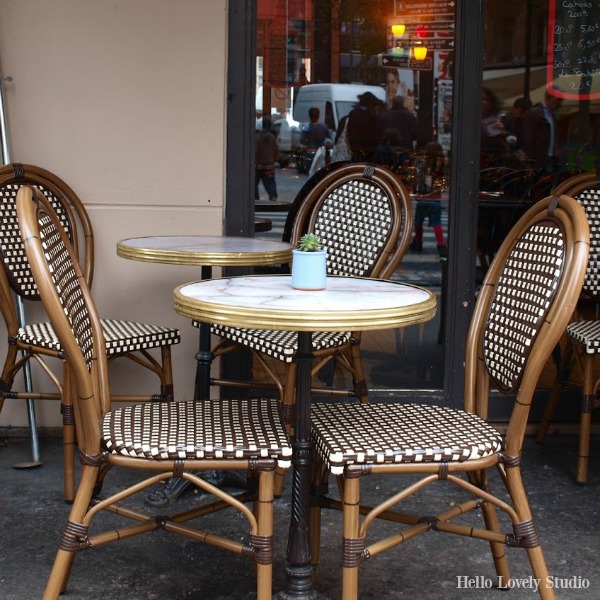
574 49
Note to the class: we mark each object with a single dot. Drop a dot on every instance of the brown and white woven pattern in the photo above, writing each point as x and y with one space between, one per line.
586 333
590 201
67 284
521 301
120 336
11 245
345 434
353 224
281 345
213 429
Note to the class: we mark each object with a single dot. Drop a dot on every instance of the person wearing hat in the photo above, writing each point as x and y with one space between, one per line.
362 127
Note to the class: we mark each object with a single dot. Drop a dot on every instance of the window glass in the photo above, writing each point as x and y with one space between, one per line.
340 57
540 117
539 107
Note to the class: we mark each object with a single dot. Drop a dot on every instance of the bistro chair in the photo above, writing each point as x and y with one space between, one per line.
363 215
27 341
522 309
582 333
164 439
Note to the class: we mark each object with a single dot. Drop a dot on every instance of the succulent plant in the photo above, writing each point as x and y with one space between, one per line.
310 242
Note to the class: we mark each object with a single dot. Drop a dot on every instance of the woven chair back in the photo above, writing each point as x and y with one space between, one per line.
585 188
528 295
68 301
64 202
523 295
363 215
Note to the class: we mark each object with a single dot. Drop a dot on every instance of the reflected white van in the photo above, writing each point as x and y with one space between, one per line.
334 100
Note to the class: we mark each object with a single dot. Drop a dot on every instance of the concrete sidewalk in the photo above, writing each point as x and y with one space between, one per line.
434 566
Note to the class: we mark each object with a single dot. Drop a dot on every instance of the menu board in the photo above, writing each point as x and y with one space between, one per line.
574 49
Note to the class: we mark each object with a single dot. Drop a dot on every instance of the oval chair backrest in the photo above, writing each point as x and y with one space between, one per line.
523 295
363 216
585 188
12 253
71 309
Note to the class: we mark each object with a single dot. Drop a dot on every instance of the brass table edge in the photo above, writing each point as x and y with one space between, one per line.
216 259
365 320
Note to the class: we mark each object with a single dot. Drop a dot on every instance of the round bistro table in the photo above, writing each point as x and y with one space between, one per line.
207 252
269 302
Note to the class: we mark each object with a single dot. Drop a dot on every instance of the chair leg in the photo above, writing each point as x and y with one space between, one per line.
167 374
490 517
564 364
8 372
320 478
315 538
264 514
587 403
360 380
68 416
351 542
514 485
550 407
63 562
287 408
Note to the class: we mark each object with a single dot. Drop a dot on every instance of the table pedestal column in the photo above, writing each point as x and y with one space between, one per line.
299 570
204 357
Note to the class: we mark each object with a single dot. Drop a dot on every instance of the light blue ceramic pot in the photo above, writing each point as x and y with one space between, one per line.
309 270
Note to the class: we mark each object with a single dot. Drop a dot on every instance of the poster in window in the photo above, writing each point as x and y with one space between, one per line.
573 70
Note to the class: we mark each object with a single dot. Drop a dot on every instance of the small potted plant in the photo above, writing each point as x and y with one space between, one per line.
309 264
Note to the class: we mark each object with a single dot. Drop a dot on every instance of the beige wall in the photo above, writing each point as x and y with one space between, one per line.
125 100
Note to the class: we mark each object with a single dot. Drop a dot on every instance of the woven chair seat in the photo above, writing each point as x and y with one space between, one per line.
217 429
346 434
586 333
120 336
281 345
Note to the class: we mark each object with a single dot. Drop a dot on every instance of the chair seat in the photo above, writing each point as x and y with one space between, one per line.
346 434
213 429
586 333
120 336
281 345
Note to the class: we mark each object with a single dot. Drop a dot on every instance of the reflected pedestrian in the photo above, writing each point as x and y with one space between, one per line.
266 154
541 135
362 127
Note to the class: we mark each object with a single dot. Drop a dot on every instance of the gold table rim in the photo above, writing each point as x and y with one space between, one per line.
294 320
200 258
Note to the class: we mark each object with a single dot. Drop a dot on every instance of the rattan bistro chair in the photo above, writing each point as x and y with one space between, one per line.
166 439
522 309
363 215
28 341
582 334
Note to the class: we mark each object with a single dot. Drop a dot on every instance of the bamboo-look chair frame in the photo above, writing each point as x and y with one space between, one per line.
21 349
561 213
384 262
105 440
575 351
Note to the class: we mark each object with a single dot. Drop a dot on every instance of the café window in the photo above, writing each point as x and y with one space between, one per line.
540 65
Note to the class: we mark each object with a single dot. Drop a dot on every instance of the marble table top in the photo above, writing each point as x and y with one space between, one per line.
269 302
205 250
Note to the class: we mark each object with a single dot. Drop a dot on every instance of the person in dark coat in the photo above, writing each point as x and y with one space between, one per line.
540 133
400 120
266 153
513 120
493 135
362 127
